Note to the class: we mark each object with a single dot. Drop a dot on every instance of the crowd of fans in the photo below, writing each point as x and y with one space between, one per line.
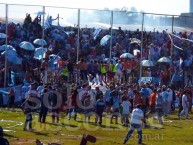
63 42
96 84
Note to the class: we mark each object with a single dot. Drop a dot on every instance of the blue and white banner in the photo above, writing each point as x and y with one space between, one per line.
96 33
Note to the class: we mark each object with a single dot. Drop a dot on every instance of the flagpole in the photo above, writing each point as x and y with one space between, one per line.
171 50
111 34
141 45
78 42
43 35
43 26
5 71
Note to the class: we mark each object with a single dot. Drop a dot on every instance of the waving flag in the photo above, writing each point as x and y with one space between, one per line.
105 40
96 33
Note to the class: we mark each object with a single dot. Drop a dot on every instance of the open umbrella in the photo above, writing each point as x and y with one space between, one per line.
134 41
6 47
9 51
2 35
164 59
135 52
104 40
40 42
126 55
108 60
55 57
27 46
22 43
147 63
12 56
39 53
14 59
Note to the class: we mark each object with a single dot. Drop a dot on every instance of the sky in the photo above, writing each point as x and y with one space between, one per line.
173 7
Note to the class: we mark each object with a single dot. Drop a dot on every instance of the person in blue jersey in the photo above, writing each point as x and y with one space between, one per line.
108 97
137 117
99 107
146 94
114 105
51 63
24 90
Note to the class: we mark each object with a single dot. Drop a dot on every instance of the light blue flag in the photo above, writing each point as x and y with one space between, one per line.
96 33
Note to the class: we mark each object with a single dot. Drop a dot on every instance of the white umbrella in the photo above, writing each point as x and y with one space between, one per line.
12 56
164 59
136 51
40 42
147 63
55 57
8 47
27 46
9 52
22 43
126 55
14 59
3 35
40 53
134 41
108 60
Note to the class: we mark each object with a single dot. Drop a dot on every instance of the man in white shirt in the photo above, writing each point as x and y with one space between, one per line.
32 90
184 105
136 118
50 20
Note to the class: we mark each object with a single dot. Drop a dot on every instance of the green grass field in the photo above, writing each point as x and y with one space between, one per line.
69 132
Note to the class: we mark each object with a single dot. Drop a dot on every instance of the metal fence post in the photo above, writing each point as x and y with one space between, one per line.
6 42
78 43
171 49
111 35
142 25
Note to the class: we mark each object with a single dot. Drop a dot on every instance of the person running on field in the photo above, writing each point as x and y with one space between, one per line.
137 117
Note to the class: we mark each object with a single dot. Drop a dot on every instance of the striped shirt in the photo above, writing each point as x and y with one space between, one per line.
24 90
